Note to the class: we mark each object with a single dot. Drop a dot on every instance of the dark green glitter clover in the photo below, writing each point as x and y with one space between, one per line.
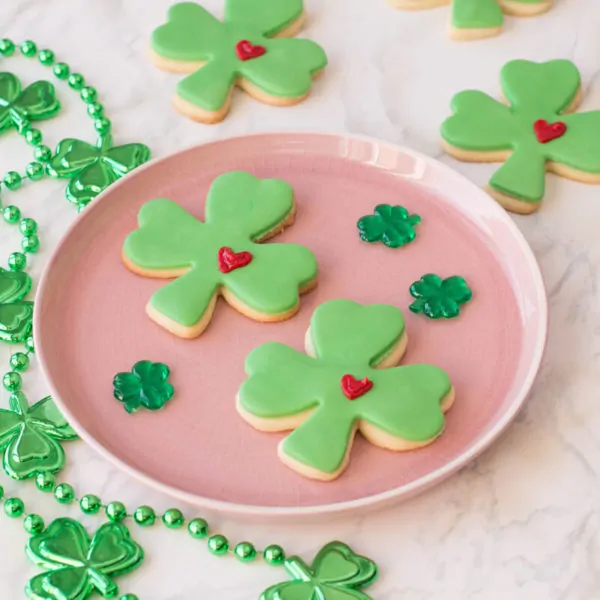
392 225
437 297
145 386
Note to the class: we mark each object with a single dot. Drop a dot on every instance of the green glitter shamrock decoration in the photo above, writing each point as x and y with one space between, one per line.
30 437
15 313
18 107
145 386
337 573
437 297
76 565
392 225
92 169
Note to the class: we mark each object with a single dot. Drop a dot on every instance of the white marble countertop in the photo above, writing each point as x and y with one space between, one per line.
522 523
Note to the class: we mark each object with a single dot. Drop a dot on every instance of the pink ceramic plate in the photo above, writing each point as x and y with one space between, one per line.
90 322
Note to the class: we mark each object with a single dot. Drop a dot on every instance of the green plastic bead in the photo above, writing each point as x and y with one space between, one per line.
116 511
19 361
12 381
29 346
12 180
61 70
33 524
28 226
102 125
76 81
89 94
90 504
198 528
95 109
33 137
11 214
42 153
1 492
144 516
14 507
7 47
28 48
218 545
45 481
173 518
274 555
35 171
17 261
46 57
64 493
128 597
30 243
245 552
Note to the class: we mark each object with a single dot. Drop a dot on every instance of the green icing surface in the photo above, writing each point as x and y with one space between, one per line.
534 91
476 14
348 339
193 34
239 210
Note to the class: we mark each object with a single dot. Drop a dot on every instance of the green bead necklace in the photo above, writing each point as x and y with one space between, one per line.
337 572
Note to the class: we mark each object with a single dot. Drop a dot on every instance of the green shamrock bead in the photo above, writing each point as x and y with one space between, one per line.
28 48
12 180
218 545
439 298
42 153
76 81
61 70
88 94
7 47
44 481
35 171
146 386
12 381
245 552
19 361
33 137
173 518
46 57
11 214
198 528
116 511
33 524
28 226
102 125
90 504
16 314
14 507
274 555
30 244
95 109
17 261
391 225
144 516
64 493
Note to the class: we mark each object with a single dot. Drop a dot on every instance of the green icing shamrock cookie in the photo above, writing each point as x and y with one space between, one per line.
475 19
344 384
222 256
533 134
238 51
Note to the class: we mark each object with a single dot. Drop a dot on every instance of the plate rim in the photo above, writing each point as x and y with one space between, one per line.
378 500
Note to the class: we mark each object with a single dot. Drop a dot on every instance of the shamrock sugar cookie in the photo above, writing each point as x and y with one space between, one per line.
238 51
533 134
344 384
222 255
476 19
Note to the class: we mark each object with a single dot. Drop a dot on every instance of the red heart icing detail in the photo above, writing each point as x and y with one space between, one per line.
230 260
245 50
354 388
546 132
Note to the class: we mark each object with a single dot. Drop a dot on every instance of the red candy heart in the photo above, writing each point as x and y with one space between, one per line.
230 260
546 132
245 50
354 388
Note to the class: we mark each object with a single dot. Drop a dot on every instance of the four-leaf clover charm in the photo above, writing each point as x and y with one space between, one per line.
145 386
18 107
392 225
533 134
15 313
30 437
77 565
337 573
437 297
92 169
